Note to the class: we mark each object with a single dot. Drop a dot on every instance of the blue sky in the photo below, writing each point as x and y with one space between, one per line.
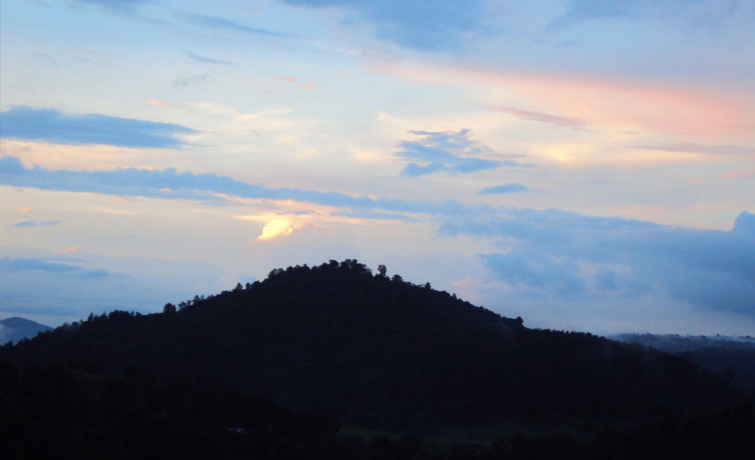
586 165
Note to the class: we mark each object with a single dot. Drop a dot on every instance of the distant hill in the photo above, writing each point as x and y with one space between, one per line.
15 328
731 357
378 351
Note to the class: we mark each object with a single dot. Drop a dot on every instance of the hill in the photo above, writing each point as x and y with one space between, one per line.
15 328
731 357
379 351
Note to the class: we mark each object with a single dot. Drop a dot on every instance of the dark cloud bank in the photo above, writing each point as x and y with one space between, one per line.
583 257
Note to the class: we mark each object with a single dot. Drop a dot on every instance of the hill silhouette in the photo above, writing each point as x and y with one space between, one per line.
378 351
14 329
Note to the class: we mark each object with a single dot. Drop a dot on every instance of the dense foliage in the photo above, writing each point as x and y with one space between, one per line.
55 412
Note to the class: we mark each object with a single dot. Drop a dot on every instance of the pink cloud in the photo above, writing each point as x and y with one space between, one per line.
622 104
304 85
717 150
747 173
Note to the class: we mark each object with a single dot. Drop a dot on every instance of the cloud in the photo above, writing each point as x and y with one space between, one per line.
541 117
288 78
550 254
299 244
207 60
49 59
749 173
60 289
414 24
375 216
546 276
214 22
168 184
697 11
50 125
723 150
505 188
582 257
116 5
183 82
11 265
34 223
160 103
445 151
22 265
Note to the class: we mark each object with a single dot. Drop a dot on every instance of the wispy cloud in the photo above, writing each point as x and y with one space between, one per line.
20 265
168 184
698 11
726 150
748 173
288 78
34 223
116 5
447 152
183 82
49 59
208 60
541 117
215 22
417 24
50 125
505 188
160 103
8 264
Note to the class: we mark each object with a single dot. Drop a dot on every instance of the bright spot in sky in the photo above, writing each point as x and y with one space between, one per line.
275 228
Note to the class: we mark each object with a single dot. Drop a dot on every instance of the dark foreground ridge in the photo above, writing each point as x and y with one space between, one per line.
347 345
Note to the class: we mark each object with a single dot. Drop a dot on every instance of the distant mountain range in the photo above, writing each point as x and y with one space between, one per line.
15 328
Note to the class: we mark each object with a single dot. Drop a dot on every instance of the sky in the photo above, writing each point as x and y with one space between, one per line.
586 165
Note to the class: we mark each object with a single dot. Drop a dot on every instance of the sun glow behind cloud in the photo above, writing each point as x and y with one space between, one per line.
276 228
